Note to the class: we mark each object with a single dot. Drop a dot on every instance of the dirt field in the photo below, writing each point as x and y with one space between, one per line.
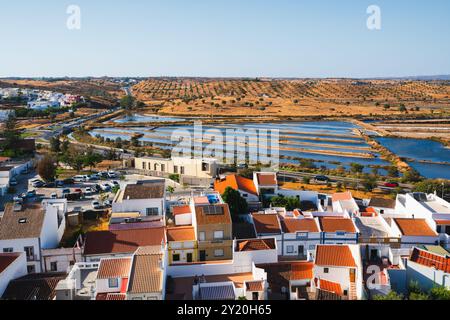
338 97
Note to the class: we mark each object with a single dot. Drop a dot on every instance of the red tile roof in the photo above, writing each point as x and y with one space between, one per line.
415 227
330 286
340 196
6 259
235 182
442 222
114 268
266 179
302 270
181 210
266 223
334 255
430 259
255 244
332 224
297 225
254 286
122 241
181 234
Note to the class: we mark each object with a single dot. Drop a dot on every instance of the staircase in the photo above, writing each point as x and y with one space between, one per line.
352 291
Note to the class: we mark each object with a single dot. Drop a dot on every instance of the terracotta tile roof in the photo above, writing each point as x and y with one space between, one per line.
332 224
36 286
6 259
266 223
235 182
267 179
146 275
255 244
302 270
334 255
341 196
26 223
205 218
122 241
115 296
431 259
114 268
181 210
144 191
255 286
181 234
382 203
330 286
296 225
442 222
415 227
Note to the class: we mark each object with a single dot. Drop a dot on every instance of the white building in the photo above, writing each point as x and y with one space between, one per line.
338 272
145 197
31 228
12 266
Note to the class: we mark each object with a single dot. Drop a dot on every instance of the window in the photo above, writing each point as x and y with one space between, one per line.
175 169
326 270
8 250
31 269
218 253
201 236
381 211
143 165
113 283
155 166
176 257
163 167
218 235
290 249
182 170
29 251
54 266
312 247
205 166
152 211
245 195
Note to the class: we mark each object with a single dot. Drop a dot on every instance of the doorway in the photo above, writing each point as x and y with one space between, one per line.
202 255
189 257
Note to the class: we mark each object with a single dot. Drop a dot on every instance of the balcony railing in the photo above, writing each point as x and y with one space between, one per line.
32 257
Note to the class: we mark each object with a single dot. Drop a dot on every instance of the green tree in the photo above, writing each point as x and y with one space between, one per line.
55 144
392 171
91 158
440 293
237 204
47 168
290 203
356 167
369 183
392 295
10 134
128 103
411 176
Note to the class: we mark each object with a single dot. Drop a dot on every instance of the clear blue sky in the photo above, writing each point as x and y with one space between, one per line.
276 38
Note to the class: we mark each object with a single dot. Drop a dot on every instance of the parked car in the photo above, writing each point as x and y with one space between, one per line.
112 174
97 188
25 171
59 183
65 191
322 179
93 177
49 185
13 182
37 184
18 199
69 181
80 178
96 205
108 203
115 183
54 195
78 190
89 191
391 184
105 187
30 194
103 174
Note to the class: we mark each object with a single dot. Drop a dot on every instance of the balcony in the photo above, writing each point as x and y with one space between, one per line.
32 257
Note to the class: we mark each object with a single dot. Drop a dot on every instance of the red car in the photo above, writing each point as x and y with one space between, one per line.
391 184
77 191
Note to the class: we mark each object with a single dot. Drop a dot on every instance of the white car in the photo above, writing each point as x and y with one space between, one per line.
80 178
112 174
88 191
96 205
